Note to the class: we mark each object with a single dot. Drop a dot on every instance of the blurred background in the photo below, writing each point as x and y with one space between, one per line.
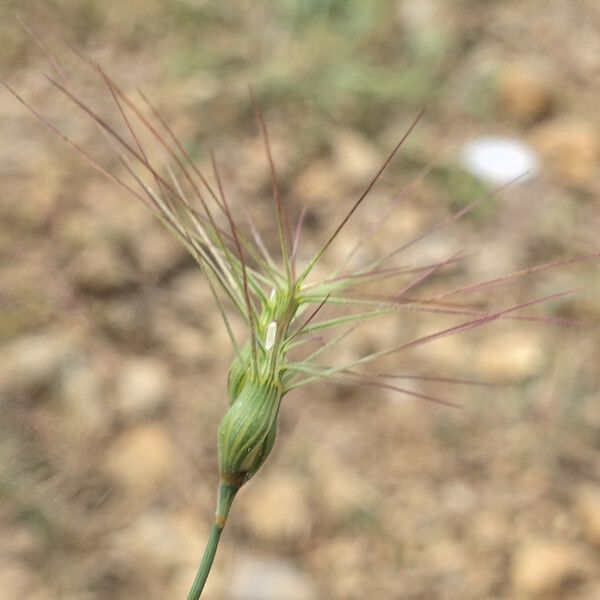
114 360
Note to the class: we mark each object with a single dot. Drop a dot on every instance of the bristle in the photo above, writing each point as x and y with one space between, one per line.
456 329
360 199
414 304
162 121
379 224
424 276
359 278
298 231
443 224
78 148
418 395
312 315
262 257
282 221
43 49
471 324
432 379
328 324
249 305
517 274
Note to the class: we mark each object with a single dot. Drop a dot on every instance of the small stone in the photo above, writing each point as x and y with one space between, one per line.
542 567
588 508
34 361
499 160
525 92
83 400
275 509
99 269
263 578
142 387
570 148
141 459
510 357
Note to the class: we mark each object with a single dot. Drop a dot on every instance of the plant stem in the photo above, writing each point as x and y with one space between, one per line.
227 492
206 564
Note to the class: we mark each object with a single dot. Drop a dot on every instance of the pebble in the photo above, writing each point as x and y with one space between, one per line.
275 509
83 400
34 361
570 148
499 160
511 356
142 387
141 459
543 567
588 508
265 578
525 93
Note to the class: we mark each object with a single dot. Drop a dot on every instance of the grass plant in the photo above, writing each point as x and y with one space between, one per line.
282 303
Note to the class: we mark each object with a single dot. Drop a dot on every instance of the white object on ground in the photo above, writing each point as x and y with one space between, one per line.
499 160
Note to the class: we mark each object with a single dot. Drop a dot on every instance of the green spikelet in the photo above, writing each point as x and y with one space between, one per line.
247 431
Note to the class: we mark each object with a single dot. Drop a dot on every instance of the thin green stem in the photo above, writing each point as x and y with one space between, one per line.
227 492
206 564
